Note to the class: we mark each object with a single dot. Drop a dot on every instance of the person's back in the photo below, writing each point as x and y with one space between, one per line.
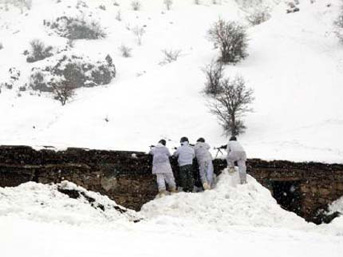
162 168
234 146
204 159
185 154
161 155
202 151
236 153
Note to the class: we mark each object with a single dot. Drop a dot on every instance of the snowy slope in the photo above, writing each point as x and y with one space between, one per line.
45 203
241 219
294 66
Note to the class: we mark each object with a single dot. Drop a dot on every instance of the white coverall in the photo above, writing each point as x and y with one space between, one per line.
204 159
162 168
236 153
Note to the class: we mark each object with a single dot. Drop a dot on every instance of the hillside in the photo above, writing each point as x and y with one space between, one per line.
294 67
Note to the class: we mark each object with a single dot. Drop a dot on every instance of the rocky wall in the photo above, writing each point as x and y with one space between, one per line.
126 176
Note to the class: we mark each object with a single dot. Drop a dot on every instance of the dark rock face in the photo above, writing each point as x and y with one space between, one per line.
305 188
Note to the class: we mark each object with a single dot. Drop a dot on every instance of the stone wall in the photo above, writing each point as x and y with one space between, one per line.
126 176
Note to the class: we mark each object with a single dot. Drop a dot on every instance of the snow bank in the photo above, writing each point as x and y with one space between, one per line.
46 203
228 204
336 226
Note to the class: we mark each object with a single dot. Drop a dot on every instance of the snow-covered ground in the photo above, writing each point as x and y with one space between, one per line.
38 220
294 67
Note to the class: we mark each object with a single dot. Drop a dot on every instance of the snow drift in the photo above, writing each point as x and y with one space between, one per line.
228 204
52 203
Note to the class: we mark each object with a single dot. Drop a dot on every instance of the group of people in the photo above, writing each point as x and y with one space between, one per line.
185 154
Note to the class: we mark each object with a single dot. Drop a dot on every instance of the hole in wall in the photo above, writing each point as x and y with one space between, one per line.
288 195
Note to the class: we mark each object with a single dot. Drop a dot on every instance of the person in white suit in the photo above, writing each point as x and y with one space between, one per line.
205 164
236 153
161 168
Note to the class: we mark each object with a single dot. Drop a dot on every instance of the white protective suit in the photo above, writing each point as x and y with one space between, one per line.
185 154
204 159
236 153
162 168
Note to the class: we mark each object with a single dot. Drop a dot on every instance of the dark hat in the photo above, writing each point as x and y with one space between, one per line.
184 139
201 139
233 138
163 142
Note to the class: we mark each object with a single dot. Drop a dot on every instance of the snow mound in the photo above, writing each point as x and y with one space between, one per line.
336 225
228 204
64 202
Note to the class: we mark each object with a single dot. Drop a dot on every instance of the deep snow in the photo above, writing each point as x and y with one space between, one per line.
294 66
232 218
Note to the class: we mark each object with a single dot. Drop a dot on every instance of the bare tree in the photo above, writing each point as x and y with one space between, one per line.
63 91
125 51
136 5
138 32
170 56
231 104
231 38
168 4
214 74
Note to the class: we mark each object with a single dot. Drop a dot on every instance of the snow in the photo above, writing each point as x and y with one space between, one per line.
295 68
240 219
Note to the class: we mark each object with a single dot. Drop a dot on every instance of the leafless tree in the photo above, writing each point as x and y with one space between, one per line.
168 4
231 39
231 104
136 5
138 31
170 55
214 74
125 51
63 91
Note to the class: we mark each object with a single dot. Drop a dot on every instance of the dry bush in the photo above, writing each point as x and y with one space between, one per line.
170 55
38 51
231 104
231 39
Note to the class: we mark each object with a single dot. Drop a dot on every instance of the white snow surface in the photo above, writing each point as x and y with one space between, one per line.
242 218
294 67
45 203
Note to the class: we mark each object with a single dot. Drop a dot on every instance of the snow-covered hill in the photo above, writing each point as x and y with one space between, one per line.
294 66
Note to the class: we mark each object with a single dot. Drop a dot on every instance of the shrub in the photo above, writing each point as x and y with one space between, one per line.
214 75
38 51
38 82
125 51
231 104
118 16
216 1
258 16
75 71
136 5
231 38
168 4
138 32
170 56
339 25
13 80
63 91
76 28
